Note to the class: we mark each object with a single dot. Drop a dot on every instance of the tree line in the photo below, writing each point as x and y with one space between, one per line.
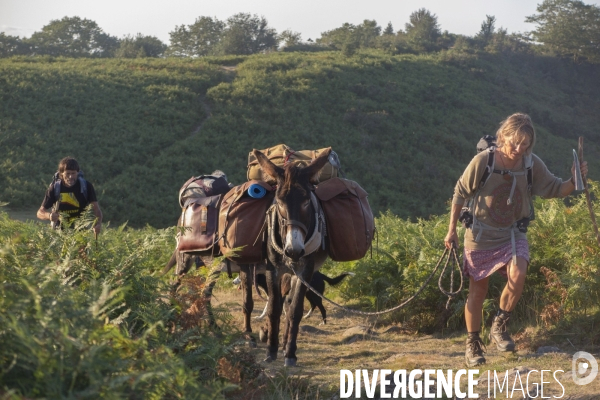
564 28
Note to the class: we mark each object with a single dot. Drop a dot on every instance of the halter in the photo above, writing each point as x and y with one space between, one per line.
317 239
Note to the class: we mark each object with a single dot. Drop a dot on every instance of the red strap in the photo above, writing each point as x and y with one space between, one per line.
203 218
287 158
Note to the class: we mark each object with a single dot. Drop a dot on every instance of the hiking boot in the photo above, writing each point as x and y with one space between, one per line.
474 354
499 335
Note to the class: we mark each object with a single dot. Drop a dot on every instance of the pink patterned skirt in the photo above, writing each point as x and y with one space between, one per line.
482 263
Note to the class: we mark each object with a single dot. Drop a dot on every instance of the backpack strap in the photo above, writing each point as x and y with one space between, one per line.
488 169
82 185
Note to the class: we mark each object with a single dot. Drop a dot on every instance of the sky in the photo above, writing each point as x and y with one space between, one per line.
308 17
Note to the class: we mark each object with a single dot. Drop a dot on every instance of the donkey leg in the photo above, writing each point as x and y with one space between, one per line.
287 301
207 293
247 302
295 316
273 313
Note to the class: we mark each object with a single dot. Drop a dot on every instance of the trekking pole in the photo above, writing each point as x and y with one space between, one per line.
54 209
587 192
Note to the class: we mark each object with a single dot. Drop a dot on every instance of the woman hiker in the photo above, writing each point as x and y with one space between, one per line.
501 209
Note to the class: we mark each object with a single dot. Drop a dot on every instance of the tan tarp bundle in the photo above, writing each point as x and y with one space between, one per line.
281 155
350 223
241 219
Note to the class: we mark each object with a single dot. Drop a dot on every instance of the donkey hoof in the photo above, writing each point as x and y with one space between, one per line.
271 356
290 362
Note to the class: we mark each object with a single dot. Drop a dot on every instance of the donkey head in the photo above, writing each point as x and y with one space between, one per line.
293 199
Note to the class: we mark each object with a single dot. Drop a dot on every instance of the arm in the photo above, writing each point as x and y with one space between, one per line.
98 213
452 236
44 214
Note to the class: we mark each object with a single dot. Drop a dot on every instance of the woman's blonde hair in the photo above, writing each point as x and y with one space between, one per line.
516 128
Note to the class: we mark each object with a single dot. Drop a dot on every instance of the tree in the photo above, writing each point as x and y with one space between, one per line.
389 29
367 33
423 30
12 45
488 28
568 28
140 46
199 39
73 37
247 34
350 37
290 38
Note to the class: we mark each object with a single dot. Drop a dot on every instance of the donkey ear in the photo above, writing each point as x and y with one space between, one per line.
267 166
316 165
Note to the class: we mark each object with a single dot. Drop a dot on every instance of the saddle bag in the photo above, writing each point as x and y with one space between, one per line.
241 219
350 223
281 155
199 223
203 186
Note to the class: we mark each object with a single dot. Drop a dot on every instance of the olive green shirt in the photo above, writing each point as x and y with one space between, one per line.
491 205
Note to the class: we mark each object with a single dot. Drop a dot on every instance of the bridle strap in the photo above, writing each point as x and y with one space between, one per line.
293 222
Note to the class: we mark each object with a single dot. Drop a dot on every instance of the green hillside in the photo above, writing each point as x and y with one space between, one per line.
404 126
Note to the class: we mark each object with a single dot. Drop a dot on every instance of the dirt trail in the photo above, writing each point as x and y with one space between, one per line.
323 350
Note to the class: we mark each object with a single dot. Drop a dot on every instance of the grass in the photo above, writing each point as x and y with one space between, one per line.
321 357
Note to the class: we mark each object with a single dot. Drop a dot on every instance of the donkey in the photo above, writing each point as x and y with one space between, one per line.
295 230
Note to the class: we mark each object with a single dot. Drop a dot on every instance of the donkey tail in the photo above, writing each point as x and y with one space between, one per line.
337 279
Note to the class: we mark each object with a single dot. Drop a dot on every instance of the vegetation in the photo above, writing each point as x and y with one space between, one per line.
404 126
86 319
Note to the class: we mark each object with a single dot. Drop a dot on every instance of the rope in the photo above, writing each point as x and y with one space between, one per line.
451 255
403 304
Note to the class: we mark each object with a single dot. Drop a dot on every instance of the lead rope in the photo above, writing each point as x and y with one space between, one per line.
452 254
450 294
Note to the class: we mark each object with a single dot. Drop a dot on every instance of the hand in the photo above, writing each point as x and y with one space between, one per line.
97 228
53 217
451 239
584 169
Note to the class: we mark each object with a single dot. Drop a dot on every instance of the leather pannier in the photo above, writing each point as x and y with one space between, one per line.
282 155
350 222
199 223
241 219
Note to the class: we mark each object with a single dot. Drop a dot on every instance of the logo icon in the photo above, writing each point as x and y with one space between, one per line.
585 368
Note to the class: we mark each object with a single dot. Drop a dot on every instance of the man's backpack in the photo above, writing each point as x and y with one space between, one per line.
488 143
56 183
282 155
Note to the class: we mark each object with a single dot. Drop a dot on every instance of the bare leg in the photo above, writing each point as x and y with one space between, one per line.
514 287
474 306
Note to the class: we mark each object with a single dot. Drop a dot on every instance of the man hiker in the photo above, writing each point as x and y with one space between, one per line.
69 194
